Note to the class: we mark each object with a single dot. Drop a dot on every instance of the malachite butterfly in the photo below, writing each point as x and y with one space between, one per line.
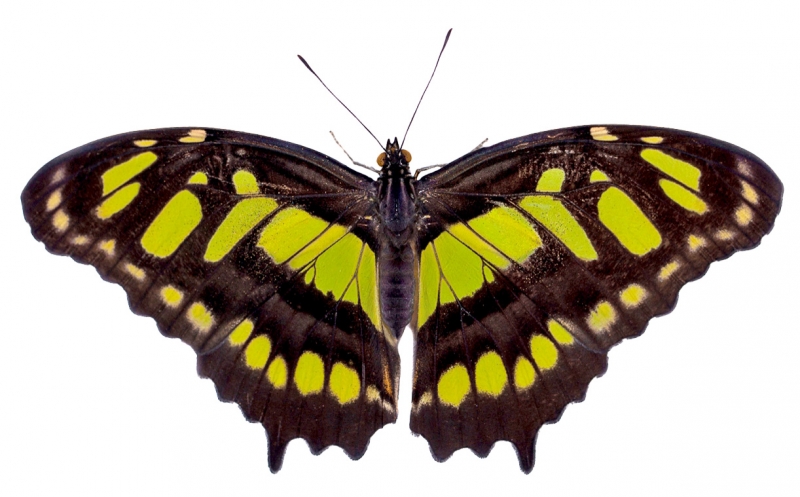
517 266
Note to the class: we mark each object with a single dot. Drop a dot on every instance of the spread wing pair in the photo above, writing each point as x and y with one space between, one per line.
536 256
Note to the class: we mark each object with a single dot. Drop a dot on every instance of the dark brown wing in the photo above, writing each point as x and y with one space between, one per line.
255 252
541 253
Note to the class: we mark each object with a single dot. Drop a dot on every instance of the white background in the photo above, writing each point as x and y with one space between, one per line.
96 402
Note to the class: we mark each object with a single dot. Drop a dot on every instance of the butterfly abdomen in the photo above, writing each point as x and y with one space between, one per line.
397 285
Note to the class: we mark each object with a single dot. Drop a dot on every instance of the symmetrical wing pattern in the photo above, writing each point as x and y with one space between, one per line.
539 254
255 252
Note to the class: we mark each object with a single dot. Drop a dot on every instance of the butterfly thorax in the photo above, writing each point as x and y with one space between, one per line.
397 214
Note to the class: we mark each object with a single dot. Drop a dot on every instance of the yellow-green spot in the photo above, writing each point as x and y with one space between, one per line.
507 231
488 274
368 286
118 201
257 352
289 231
544 352
627 222
171 296
309 375
308 277
122 173
668 270
744 215
241 333
336 267
682 171
602 317
633 295
173 224
551 180
200 317
277 373
598 176
683 197
344 383
245 183
462 268
453 385
561 223
490 374
559 333
524 374
240 220
198 178
144 143
655 140
428 285
60 220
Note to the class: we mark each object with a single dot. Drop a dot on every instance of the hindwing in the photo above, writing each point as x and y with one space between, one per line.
538 254
257 253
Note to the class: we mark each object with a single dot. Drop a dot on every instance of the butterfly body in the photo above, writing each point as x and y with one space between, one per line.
518 266
397 219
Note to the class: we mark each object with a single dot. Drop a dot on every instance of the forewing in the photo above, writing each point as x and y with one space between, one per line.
256 252
539 254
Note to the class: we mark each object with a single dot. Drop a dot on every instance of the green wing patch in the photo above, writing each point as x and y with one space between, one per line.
250 250
540 254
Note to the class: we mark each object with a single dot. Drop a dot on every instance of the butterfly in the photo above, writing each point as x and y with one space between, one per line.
292 276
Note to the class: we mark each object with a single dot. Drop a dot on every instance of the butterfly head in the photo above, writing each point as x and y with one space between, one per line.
394 157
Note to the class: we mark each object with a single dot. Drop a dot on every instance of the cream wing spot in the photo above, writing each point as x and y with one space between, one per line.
135 271
200 317
749 193
60 221
54 200
59 175
696 242
79 240
744 215
194 136
724 235
668 270
425 399
600 133
108 247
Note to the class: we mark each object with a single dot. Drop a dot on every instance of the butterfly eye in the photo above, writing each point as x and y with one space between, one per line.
406 155
382 159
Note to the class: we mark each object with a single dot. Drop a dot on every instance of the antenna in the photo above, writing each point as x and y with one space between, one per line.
337 98
426 86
